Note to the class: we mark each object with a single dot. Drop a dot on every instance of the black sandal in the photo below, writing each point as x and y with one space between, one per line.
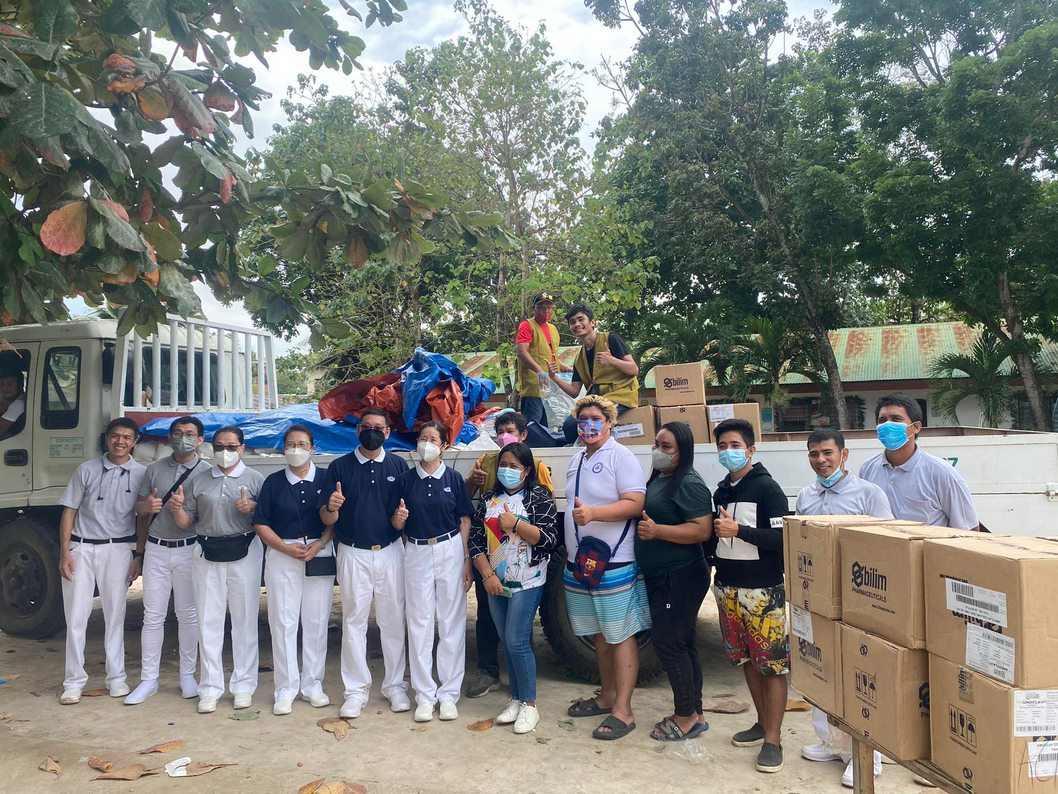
587 708
669 731
618 729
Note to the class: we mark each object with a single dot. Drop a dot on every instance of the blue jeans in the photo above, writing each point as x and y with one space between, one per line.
514 618
532 409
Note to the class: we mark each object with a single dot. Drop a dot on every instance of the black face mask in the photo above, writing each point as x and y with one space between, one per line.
371 438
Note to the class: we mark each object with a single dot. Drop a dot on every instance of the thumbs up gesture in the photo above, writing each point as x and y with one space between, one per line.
477 475
400 515
507 519
725 525
582 514
334 504
647 529
176 501
155 501
244 504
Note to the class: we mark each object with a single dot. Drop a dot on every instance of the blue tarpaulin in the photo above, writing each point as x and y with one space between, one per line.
426 370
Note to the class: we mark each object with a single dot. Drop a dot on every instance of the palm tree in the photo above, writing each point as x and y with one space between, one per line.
985 372
667 338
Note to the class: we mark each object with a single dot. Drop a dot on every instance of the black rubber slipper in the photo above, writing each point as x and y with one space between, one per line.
668 731
618 729
586 708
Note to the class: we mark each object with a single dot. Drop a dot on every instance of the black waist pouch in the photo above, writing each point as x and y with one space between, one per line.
226 549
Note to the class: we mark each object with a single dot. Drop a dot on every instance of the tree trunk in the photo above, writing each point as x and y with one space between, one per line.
834 384
1022 356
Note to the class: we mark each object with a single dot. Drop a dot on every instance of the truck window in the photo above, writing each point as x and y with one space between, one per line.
62 389
13 366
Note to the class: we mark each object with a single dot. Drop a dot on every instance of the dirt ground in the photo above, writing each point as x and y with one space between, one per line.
384 752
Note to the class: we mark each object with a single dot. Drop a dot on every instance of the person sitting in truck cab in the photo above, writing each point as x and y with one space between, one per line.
12 404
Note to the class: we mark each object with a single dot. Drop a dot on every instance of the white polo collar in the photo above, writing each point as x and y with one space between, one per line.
108 464
240 467
293 479
360 457
436 475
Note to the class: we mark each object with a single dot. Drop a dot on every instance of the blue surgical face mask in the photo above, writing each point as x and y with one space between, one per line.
733 459
508 477
893 435
589 429
831 481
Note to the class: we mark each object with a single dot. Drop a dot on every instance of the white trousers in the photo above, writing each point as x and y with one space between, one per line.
222 587
837 741
436 600
104 566
363 576
293 599
168 571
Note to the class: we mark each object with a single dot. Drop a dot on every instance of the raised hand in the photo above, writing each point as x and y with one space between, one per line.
725 525
401 514
582 514
647 529
477 475
176 501
334 504
244 504
155 501
507 519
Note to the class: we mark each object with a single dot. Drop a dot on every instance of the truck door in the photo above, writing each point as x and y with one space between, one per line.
18 365
65 425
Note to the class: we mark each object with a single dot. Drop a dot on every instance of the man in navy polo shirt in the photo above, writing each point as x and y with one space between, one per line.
370 562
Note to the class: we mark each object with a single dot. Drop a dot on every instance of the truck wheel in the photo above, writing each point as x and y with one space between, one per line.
578 653
30 583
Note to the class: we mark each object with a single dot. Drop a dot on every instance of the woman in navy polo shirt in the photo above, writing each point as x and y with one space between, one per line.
433 509
288 522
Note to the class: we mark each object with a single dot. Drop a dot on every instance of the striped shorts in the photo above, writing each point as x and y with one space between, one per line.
617 609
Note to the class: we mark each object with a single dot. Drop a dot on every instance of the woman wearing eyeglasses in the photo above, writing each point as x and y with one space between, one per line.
226 568
299 572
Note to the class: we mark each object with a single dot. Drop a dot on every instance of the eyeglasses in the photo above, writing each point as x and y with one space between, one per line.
299 445
191 436
227 447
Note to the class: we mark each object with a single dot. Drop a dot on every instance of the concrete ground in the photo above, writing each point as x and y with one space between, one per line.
383 752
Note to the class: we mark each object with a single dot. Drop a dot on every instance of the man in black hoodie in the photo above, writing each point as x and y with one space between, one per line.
746 552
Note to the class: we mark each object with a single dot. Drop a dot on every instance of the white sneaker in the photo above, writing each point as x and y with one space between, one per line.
528 718
118 689
141 693
509 713
318 700
188 687
282 707
818 752
846 777
424 712
449 710
350 709
398 704
243 700
207 705
70 696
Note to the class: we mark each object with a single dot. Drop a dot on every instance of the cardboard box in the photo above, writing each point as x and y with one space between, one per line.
748 411
813 561
989 737
636 426
881 580
679 384
990 606
815 659
692 415
886 693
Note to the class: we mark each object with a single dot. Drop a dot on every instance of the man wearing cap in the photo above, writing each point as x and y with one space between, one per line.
536 342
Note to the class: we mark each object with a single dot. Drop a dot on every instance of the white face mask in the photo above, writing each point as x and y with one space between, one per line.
296 457
226 458
428 451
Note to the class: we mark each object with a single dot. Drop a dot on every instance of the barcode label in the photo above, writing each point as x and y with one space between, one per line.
1036 712
628 431
801 624
990 652
979 603
1043 759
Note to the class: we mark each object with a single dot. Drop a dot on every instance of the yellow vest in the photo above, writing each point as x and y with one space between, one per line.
542 353
612 383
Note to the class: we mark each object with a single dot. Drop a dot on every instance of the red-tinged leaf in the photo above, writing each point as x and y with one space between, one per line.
63 232
312 786
165 747
226 185
196 768
127 85
219 97
121 211
146 206
11 30
153 104
479 726
49 764
191 53
131 772
191 116
116 62
356 253
100 764
127 275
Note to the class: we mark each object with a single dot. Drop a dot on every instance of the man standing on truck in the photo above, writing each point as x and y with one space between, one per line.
167 552
536 342
96 533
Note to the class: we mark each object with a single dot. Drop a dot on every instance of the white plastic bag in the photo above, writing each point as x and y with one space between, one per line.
558 404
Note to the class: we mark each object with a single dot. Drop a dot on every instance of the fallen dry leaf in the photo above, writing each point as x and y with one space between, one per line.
418 729
165 747
312 786
49 764
341 787
798 705
100 764
567 725
479 726
131 772
246 714
95 693
335 725
725 706
196 768
6 715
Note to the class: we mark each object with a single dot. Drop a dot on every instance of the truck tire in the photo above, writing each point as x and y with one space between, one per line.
30 583
578 653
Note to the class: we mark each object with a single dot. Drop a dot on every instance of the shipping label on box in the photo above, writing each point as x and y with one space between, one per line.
691 415
679 384
882 579
886 693
748 411
989 606
815 659
636 426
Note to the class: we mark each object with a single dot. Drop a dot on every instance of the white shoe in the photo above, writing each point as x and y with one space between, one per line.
318 700
528 718
141 693
282 707
449 710
243 700
118 689
70 696
818 752
398 704
509 713
846 777
424 712
350 709
188 687
207 705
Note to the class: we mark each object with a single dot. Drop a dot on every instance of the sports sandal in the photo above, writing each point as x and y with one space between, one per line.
617 729
669 731
587 708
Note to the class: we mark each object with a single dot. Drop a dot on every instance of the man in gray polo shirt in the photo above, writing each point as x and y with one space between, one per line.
96 533
167 561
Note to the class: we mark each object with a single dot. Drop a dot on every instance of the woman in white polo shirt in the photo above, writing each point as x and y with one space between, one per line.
605 493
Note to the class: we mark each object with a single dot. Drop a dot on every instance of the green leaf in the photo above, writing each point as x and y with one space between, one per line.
34 304
277 310
109 263
300 283
96 233
295 246
44 110
118 229
126 322
29 46
166 244
53 20
147 13
266 265
209 161
381 194
106 151
13 71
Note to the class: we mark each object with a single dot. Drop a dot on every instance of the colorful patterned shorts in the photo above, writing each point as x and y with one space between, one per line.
753 624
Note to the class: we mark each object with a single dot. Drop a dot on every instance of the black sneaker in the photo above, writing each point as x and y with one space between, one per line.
769 759
481 684
751 737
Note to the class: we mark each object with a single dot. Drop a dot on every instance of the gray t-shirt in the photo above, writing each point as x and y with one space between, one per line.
104 495
211 501
161 475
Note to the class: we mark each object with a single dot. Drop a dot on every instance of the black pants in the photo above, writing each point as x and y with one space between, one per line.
486 639
675 599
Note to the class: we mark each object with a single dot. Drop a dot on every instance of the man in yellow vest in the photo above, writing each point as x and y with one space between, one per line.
604 366
536 342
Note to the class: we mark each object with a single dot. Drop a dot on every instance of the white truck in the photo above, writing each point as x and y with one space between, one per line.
79 374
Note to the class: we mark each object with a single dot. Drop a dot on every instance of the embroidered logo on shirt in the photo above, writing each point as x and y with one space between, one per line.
447 489
596 468
391 478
